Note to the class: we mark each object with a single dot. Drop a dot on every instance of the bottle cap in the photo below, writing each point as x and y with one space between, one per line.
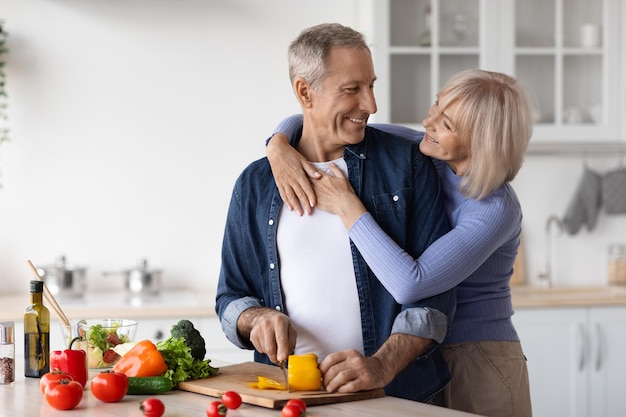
6 332
36 286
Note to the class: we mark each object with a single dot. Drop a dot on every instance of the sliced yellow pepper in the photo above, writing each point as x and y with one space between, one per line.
267 383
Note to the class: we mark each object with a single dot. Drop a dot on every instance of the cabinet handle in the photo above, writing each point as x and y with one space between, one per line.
599 338
580 345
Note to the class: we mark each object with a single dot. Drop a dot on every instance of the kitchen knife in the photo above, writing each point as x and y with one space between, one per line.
283 368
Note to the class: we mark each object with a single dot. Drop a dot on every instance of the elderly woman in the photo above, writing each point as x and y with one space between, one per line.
476 132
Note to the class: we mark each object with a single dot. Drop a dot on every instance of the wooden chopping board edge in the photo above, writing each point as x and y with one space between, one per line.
236 378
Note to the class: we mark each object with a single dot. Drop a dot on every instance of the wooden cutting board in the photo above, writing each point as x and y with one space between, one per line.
237 377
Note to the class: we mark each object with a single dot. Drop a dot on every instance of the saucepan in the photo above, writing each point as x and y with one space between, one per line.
63 280
141 280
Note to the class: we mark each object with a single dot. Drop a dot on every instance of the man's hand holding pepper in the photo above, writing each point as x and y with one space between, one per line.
351 371
270 332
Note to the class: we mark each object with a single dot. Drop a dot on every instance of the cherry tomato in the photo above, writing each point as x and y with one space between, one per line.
292 410
152 407
52 376
64 394
231 399
109 387
297 401
216 409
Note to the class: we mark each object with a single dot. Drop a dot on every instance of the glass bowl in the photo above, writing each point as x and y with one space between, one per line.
103 336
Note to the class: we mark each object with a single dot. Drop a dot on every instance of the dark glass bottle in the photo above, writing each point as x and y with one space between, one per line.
36 334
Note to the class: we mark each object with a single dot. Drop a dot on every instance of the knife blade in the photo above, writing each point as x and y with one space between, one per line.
283 368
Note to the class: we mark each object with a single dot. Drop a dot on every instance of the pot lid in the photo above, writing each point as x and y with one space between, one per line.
60 264
142 266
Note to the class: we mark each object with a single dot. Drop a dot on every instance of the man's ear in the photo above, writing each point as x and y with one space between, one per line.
303 92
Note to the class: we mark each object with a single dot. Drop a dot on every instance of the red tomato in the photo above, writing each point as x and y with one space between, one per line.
292 410
152 407
109 387
216 409
231 399
297 401
52 376
64 394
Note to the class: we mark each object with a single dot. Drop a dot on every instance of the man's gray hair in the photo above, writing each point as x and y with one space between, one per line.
308 53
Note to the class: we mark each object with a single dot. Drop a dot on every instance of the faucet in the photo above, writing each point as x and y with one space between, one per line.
545 276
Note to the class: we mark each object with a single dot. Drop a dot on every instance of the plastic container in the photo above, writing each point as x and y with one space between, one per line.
617 264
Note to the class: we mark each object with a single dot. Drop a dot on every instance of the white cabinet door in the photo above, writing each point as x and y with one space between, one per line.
577 83
575 360
554 344
608 364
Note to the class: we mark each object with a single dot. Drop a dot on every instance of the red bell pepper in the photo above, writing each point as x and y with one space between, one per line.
71 361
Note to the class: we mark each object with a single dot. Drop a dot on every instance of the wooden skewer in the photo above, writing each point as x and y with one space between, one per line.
50 298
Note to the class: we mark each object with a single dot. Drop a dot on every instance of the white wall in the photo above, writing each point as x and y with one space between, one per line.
131 120
546 185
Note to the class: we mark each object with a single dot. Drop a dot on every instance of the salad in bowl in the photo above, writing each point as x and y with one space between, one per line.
107 340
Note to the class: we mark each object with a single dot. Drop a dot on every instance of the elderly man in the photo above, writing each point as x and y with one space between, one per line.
292 283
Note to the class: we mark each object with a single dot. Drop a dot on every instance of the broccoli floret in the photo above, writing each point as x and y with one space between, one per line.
184 329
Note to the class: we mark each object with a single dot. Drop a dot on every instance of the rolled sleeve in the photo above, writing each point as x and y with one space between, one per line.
423 322
230 317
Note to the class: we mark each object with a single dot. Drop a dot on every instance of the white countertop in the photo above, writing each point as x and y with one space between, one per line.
170 303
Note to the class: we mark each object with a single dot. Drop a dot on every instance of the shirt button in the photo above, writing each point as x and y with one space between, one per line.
362 155
396 198
272 266
271 222
278 308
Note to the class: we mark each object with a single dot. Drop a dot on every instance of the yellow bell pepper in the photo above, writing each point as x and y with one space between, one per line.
303 373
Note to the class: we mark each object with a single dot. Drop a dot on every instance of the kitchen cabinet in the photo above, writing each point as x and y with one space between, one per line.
575 360
567 53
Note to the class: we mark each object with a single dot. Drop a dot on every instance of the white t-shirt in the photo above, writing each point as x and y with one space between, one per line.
317 277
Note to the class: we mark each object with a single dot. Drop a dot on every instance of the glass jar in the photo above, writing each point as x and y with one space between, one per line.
7 353
617 264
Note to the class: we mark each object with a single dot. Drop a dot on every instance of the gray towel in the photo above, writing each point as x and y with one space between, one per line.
614 191
585 206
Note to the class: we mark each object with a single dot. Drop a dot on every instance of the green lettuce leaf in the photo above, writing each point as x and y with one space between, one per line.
181 366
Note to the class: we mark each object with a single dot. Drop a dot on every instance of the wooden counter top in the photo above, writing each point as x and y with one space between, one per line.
534 297
24 399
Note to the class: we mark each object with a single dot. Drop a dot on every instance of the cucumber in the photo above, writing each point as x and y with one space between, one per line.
148 385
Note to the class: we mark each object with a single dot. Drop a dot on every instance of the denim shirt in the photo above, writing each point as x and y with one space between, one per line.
399 187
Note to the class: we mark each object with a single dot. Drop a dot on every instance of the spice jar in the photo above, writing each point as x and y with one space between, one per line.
617 264
7 353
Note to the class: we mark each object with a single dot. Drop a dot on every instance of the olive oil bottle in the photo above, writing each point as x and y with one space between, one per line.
36 334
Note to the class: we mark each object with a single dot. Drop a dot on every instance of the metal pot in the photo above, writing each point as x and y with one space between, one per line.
62 280
141 280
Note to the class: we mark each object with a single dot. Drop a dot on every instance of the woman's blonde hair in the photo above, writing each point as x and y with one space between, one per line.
494 114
